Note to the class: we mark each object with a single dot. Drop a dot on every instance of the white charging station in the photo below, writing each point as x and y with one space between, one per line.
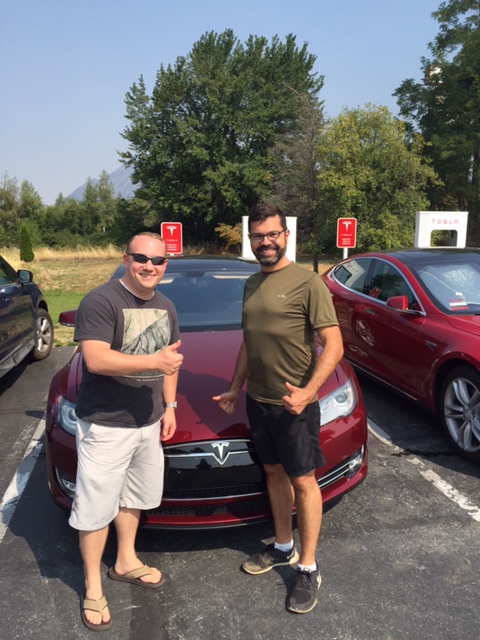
292 240
429 221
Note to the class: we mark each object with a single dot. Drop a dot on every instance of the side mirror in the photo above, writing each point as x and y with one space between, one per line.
400 304
24 276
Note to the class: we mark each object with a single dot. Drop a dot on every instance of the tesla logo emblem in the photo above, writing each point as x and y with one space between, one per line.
221 449
171 228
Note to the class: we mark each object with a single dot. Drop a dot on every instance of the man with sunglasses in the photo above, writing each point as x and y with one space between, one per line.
285 309
129 339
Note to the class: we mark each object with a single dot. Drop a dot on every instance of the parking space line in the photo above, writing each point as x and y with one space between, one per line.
19 481
450 492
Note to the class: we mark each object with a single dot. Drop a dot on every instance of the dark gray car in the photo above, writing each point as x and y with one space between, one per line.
26 328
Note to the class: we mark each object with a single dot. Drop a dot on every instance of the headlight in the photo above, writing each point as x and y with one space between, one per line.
338 404
66 416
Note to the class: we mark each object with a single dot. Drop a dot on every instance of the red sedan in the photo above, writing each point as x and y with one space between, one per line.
411 319
212 475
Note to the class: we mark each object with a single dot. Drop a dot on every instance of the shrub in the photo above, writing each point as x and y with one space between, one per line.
26 249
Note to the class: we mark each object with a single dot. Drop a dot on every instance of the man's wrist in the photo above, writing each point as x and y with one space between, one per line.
171 405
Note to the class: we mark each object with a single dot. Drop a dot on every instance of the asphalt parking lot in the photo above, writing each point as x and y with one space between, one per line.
399 556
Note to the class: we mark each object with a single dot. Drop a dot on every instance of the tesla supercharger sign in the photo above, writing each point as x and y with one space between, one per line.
455 222
171 233
346 234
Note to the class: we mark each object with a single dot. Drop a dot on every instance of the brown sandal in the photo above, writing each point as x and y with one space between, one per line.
134 577
94 605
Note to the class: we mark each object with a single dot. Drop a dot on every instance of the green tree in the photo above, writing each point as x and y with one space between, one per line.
25 244
133 216
9 204
30 203
107 203
93 220
65 222
368 170
73 217
445 109
201 144
295 182
31 212
232 236
90 209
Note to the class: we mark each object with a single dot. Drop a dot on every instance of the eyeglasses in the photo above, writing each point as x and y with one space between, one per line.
143 259
271 235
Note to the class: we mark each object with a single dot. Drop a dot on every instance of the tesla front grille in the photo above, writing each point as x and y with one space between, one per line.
234 508
215 492
216 470
212 469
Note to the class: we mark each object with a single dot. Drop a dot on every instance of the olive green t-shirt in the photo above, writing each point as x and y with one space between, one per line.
281 310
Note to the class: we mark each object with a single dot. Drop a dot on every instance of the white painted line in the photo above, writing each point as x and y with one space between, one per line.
380 434
450 492
19 481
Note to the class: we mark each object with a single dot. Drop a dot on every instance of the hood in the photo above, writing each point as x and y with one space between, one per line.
470 324
209 361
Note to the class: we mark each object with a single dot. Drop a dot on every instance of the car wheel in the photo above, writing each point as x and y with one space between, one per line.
460 411
43 336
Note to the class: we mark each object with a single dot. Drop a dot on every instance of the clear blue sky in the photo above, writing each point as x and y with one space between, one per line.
66 65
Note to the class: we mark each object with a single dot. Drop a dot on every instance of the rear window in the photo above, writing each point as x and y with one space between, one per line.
353 273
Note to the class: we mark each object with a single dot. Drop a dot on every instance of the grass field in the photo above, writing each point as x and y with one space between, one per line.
66 276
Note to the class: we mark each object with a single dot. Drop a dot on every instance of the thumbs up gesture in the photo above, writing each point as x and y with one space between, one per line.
169 360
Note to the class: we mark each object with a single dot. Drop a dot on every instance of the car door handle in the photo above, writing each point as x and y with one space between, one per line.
370 311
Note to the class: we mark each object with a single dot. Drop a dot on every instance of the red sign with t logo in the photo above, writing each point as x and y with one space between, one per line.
346 233
171 233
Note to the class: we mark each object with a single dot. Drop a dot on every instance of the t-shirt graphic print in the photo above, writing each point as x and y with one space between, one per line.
145 331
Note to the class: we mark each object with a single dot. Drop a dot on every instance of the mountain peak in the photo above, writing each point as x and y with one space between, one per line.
121 184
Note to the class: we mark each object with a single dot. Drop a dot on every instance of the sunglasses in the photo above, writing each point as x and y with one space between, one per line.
143 259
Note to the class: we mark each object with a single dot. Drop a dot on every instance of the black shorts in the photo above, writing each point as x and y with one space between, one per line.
283 438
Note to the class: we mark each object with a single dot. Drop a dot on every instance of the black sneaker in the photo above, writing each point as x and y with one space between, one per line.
304 594
269 558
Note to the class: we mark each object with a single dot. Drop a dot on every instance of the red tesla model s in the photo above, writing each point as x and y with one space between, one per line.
411 319
212 475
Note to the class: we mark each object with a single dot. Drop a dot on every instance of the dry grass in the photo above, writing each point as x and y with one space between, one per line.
47 254
67 270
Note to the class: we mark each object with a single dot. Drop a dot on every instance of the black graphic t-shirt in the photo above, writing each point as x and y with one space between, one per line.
112 314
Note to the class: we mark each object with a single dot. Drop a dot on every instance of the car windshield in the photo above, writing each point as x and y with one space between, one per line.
206 300
207 293
454 287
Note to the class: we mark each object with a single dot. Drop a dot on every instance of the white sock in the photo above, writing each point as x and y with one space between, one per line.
312 567
284 547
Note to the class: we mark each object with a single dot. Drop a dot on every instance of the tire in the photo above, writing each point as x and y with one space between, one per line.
459 409
43 336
